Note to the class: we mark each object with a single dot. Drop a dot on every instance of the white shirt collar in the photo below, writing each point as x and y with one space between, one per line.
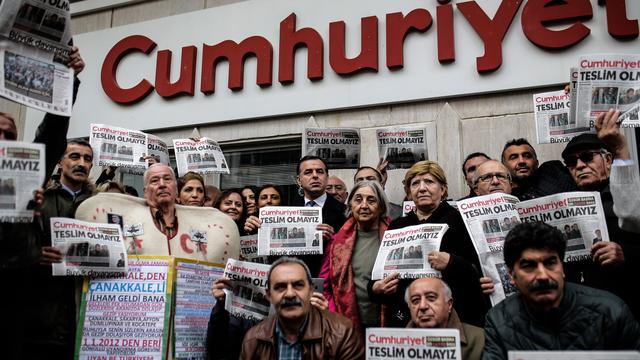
319 200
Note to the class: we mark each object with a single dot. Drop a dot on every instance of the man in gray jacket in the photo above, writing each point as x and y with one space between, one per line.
547 313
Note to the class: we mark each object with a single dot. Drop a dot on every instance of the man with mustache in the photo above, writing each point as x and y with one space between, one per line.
548 313
530 181
431 307
298 330
601 162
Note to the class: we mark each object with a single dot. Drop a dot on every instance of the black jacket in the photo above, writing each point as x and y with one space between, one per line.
462 273
587 319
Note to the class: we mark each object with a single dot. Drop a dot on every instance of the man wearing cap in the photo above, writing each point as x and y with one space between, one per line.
602 163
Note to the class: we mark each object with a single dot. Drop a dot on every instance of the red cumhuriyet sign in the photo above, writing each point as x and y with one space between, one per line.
536 19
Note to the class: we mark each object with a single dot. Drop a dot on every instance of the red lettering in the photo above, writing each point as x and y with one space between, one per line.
186 82
618 24
290 40
236 54
539 13
446 39
398 26
110 66
491 31
368 57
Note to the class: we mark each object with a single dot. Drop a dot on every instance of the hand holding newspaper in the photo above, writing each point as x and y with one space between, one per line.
405 251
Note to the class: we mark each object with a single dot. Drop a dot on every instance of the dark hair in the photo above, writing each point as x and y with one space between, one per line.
77 142
378 173
269 186
225 194
131 190
311 157
534 235
471 156
288 260
517 142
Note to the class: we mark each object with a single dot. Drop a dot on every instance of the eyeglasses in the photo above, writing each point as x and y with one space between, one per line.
585 156
502 177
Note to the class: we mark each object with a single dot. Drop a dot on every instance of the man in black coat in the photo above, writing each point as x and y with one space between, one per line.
312 179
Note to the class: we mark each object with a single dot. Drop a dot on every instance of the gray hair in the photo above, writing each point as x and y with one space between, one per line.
383 200
288 260
146 173
447 292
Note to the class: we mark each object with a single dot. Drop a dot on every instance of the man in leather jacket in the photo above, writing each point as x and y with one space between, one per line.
299 330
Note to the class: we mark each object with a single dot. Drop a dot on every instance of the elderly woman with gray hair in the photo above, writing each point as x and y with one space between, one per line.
347 267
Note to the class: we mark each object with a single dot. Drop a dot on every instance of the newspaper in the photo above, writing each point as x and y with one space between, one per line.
573 355
127 315
157 148
553 121
34 49
247 299
630 117
407 207
573 93
87 248
290 230
203 157
488 219
339 148
21 173
604 82
579 215
405 251
387 343
402 146
115 146
194 302
249 250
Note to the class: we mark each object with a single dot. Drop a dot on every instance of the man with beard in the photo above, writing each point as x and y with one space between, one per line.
548 313
529 180
297 328
601 162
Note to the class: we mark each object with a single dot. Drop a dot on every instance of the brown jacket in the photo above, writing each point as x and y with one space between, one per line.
327 336
471 337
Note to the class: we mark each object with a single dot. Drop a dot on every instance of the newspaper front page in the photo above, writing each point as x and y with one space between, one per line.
554 124
573 92
578 215
402 146
127 315
249 250
290 230
194 302
405 251
21 173
203 157
87 248
115 146
157 148
339 148
34 50
387 343
606 81
247 298
488 219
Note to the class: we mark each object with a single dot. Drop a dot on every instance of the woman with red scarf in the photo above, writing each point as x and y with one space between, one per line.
346 269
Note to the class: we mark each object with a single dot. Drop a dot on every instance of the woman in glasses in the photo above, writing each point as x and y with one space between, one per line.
426 184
